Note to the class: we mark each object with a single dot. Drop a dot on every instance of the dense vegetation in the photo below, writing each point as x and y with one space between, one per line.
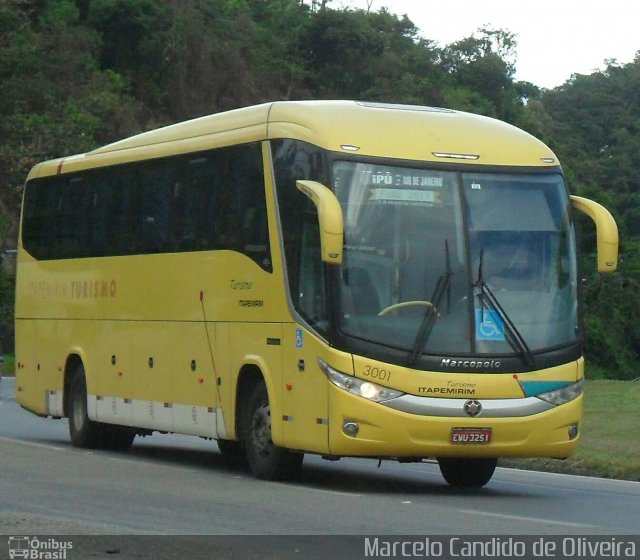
76 74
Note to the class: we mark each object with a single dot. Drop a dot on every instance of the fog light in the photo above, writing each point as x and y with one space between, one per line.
350 428
573 431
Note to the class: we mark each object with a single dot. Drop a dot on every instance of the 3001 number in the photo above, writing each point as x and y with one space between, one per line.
377 373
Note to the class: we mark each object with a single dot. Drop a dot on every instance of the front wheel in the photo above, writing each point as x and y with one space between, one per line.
467 473
266 460
232 450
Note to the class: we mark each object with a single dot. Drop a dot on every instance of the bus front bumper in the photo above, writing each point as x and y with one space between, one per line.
362 428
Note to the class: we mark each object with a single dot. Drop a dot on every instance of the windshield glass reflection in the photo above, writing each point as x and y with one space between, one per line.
403 232
413 245
519 227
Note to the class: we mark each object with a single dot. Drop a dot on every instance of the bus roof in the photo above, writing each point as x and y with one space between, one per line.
375 129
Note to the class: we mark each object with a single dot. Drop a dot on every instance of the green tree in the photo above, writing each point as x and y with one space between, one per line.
593 123
196 61
280 35
55 101
78 74
481 69
7 288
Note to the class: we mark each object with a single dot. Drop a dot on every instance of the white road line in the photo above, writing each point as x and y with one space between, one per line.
543 474
32 444
525 519
290 486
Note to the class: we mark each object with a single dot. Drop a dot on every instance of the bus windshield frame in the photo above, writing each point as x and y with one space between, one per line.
425 247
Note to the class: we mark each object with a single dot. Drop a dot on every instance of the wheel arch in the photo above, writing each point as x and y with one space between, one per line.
252 372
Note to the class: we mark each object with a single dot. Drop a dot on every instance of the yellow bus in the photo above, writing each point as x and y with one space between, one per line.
340 278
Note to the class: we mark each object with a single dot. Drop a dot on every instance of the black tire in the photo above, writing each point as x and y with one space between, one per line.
266 460
232 450
467 473
117 438
84 432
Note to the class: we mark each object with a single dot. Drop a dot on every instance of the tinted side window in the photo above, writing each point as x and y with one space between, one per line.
40 209
204 201
294 160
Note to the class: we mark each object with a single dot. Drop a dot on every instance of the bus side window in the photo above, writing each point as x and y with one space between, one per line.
39 211
294 160
209 200
99 203
239 206
71 219
153 181
251 204
312 297
193 193
55 218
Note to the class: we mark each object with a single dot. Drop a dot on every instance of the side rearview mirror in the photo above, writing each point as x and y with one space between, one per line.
606 232
329 218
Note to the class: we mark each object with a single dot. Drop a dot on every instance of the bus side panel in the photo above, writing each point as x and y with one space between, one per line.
143 374
151 375
29 385
305 422
193 391
40 373
220 364
108 370
29 351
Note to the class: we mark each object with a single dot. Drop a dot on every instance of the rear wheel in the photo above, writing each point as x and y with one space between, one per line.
266 460
467 473
83 431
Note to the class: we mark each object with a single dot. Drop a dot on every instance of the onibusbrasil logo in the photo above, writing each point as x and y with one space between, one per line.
39 548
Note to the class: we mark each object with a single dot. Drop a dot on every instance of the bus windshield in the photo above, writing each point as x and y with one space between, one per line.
442 262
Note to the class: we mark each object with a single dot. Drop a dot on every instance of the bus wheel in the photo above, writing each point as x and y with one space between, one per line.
86 433
116 438
232 450
82 430
467 473
266 460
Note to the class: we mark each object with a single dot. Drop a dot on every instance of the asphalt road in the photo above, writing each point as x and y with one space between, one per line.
181 487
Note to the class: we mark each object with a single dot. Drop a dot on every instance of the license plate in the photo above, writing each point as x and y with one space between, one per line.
471 435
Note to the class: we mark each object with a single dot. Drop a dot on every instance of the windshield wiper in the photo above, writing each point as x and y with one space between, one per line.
431 315
513 335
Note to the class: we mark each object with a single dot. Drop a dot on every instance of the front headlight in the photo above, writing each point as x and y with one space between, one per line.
359 387
564 395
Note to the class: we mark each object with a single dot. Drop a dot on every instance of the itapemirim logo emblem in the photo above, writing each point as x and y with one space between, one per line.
34 548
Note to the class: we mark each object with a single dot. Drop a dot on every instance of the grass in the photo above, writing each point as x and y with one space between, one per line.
7 365
610 445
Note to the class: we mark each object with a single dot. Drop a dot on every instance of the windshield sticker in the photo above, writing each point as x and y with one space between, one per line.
489 325
402 180
403 196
